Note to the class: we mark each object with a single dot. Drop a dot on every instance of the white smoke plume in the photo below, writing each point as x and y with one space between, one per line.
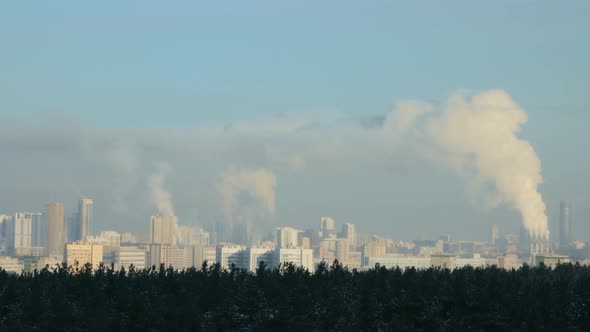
259 184
161 198
477 135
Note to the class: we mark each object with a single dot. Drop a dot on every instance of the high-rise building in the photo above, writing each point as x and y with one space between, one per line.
494 234
83 253
287 237
129 237
85 218
39 230
178 258
6 235
327 249
209 254
221 232
162 229
73 228
23 230
126 256
296 256
565 224
255 255
349 233
342 250
56 231
241 234
305 242
374 248
190 236
326 227
27 237
230 255
181 258
159 254
106 238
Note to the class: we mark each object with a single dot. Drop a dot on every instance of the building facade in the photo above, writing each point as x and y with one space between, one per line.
85 218
125 256
349 233
83 253
56 230
162 229
287 237
565 224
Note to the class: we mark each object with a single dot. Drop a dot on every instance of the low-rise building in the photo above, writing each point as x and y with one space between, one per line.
509 262
403 262
249 258
125 256
445 261
11 264
551 260
255 255
228 255
83 252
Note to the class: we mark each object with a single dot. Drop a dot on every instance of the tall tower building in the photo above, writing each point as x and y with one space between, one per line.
494 234
287 237
56 230
23 230
39 236
73 228
162 229
85 214
565 224
6 234
342 251
326 227
349 233
241 234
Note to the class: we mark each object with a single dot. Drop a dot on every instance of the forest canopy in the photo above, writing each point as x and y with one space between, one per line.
332 298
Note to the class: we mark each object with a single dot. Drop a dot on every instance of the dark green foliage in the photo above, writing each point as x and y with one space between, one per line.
291 299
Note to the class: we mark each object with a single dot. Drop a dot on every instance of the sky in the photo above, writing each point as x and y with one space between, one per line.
229 103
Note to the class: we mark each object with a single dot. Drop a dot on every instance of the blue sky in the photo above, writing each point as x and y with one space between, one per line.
142 62
148 64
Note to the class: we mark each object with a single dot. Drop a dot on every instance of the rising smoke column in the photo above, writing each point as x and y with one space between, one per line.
477 134
161 198
259 184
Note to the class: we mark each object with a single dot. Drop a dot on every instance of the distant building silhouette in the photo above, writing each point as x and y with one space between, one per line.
56 230
565 224
494 234
287 237
162 229
85 215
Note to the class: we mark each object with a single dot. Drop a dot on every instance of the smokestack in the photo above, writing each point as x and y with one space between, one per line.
468 132
259 184
161 197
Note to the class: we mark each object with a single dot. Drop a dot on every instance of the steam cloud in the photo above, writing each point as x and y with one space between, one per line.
260 184
477 135
161 198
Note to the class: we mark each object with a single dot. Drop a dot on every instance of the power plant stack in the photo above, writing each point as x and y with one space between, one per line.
539 246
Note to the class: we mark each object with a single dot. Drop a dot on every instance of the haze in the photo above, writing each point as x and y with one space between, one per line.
388 116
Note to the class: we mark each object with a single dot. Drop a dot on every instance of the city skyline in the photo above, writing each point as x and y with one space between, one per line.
171 243
307 165
563 224
167 229
286 124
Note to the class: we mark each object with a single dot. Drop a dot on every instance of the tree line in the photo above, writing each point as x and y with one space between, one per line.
332 298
